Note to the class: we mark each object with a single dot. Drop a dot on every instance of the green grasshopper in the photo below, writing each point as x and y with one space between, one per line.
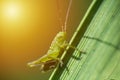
52 59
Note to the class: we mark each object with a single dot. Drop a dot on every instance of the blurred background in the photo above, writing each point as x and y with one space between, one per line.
27 28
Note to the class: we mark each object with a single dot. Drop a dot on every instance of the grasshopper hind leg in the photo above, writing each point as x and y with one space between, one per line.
58 60
50 64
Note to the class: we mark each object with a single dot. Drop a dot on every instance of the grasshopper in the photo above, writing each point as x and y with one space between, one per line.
52 59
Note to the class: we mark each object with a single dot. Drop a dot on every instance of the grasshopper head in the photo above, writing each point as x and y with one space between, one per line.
61 37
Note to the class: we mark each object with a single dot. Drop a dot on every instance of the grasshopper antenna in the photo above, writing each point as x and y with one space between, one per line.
67 14
59 15
64 27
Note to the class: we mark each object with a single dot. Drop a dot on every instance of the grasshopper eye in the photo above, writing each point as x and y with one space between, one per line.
61 35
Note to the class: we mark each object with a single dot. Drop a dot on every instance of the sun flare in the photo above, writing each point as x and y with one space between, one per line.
11 11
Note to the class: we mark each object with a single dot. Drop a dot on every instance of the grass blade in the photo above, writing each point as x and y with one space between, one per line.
98 35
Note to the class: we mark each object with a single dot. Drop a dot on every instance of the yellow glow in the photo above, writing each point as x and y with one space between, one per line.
23 24
11 11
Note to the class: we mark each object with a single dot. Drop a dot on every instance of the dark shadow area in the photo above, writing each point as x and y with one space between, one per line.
79 57
101 41
76 41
